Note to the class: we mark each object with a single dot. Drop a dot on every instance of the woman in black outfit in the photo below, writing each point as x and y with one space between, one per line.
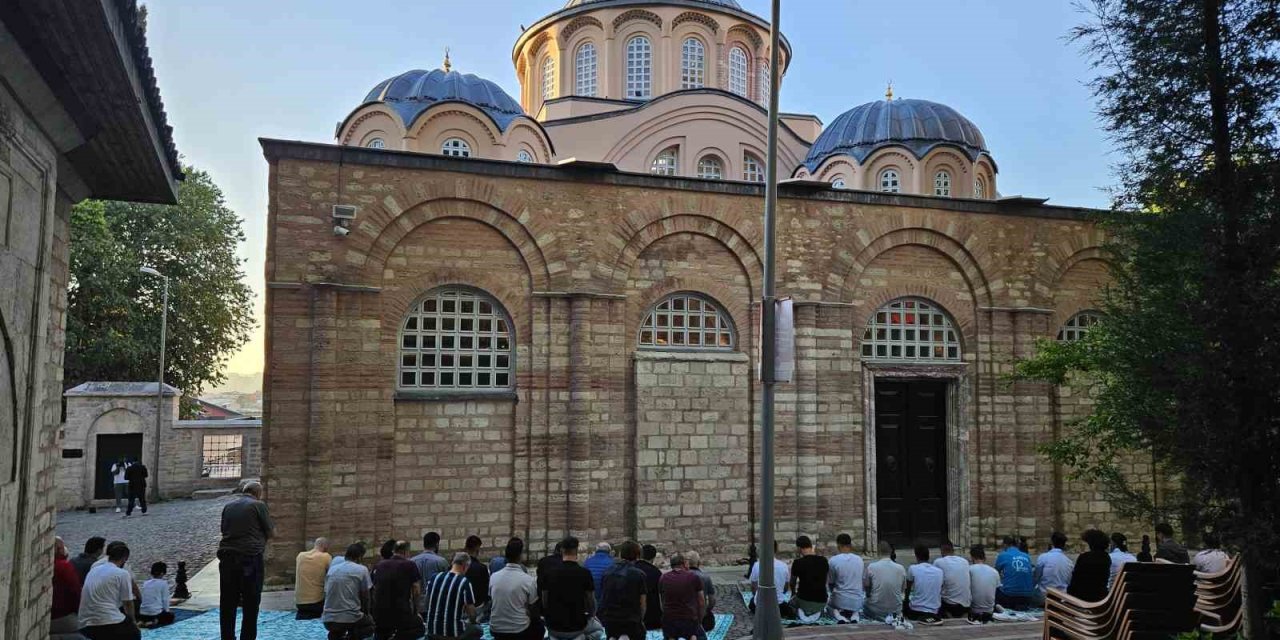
1145 554
1093 568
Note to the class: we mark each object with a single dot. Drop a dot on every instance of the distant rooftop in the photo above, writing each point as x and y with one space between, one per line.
119 389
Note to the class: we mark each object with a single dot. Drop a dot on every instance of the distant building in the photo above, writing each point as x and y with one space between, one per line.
206 410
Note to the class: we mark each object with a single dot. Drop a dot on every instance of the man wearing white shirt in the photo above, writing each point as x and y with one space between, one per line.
955 582
1211 559
781 578
1053 567
1119 556
846 582
983 582
106 602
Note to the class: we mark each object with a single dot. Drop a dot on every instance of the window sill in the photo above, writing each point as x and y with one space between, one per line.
457 396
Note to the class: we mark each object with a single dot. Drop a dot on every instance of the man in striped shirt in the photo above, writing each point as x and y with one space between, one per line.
451 604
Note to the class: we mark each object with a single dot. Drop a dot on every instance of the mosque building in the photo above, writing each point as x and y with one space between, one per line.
537 315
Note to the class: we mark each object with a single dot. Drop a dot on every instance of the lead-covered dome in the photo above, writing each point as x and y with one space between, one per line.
413 92
918 125
732 4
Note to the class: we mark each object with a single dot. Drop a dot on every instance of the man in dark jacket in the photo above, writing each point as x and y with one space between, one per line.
246 526
478 576
653 597
136 474
1167 548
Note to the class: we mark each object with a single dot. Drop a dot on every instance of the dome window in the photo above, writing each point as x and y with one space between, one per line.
692 64
980 188
524 156
548 78
752 168
889 181
710 168
666 162
942 184
838 183
738 64
376 143
639 68
584 69
456 147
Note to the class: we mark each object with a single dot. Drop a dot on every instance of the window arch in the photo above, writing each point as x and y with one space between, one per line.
1076 326
456 338
752 168
584 70
890 181
764 85
911 330
456 147
838 183
693 64
686 321
667 162
710 167
942 184
548 78
376 143
980 188
639 68
738 65
524 156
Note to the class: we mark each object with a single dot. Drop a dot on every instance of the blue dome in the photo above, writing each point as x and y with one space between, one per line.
413 92
918 125
732 4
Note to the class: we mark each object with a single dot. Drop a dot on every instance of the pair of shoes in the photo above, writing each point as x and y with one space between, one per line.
931 621
976 622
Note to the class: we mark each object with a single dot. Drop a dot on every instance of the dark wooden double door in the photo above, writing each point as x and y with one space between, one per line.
911 461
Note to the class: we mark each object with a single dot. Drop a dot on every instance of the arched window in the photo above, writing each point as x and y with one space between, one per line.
686 321
838 183
710 168
738 65
942 184
376 143
980 188
764 85
752 168
639 68
666 162
1078 325
456 147
584 69
455 338
548 78
889 181
524 156
693 64
913 330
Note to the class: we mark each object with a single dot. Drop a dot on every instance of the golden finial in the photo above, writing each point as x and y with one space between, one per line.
448 66
888 93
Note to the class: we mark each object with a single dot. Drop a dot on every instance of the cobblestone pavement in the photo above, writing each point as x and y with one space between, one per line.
172 531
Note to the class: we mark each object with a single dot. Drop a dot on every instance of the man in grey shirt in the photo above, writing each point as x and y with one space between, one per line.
346 597
246 526
885 580
429 562
515 593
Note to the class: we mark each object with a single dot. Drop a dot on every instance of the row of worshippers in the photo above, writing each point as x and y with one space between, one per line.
406 595
94 594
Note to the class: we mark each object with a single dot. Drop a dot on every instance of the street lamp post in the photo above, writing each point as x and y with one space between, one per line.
768 623
164 325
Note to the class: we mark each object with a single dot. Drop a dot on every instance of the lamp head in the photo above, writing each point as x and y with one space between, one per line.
150 271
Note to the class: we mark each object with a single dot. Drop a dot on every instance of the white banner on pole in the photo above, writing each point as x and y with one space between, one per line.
784 368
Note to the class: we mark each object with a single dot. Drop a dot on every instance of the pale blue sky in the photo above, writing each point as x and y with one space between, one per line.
234 70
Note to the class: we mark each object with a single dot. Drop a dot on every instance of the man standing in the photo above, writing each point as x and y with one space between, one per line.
1053 567
781 582
623 603
136 475
396 588
85 559
478 576
63 617
346 598
1017 579
429 562
119 483
1167 548
568 595
515 595
983 582
956 597
246 526
309 569
652 575
598 564
846 582
106 603
451 606
809 581
885 579
683 601
926 589
708 591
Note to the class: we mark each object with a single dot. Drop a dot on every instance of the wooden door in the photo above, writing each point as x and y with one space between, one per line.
911 478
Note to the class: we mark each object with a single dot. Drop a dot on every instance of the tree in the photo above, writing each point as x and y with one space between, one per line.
113 316
1186 365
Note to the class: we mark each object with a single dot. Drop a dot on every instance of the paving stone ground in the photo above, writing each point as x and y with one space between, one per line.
172 531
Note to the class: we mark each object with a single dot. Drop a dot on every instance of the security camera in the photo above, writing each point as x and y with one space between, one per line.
341 231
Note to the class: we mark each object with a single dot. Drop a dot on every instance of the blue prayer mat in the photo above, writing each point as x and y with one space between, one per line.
280 625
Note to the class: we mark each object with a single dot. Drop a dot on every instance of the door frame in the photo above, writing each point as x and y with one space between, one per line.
959 421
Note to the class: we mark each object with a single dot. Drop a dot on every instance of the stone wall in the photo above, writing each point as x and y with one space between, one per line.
182 457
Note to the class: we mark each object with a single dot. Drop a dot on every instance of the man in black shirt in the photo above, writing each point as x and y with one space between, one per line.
1167 548
622 602
653 597
397 584
136 474
547 566
478 576
808 580
569 596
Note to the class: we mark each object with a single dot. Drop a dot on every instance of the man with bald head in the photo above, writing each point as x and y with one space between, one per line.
246 526
310 568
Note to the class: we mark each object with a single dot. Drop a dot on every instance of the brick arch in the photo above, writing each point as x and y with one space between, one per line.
566 34
396 223
850 262
636 14
700 18
644 235
1063 256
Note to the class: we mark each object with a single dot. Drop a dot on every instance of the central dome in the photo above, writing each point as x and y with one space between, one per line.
732 4
918 125
413 92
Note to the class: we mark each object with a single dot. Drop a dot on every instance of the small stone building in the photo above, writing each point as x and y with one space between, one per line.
110 420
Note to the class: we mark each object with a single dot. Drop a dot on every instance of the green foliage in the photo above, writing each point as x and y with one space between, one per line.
113 318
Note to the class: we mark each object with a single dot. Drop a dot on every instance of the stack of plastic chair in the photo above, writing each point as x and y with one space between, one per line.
1147 600
1220 599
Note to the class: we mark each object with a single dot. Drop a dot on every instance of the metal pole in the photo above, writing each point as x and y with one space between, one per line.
768 623
164 325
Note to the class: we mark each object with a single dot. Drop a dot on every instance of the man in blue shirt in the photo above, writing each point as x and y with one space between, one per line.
1017 582
600 562
1053 567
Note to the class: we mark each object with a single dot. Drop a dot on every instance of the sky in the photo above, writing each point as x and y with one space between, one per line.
236 70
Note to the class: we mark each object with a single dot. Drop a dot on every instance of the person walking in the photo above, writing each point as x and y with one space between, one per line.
246 527
119 483
136 475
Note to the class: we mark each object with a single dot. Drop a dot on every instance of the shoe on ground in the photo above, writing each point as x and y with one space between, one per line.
975 622
931 621
117 509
